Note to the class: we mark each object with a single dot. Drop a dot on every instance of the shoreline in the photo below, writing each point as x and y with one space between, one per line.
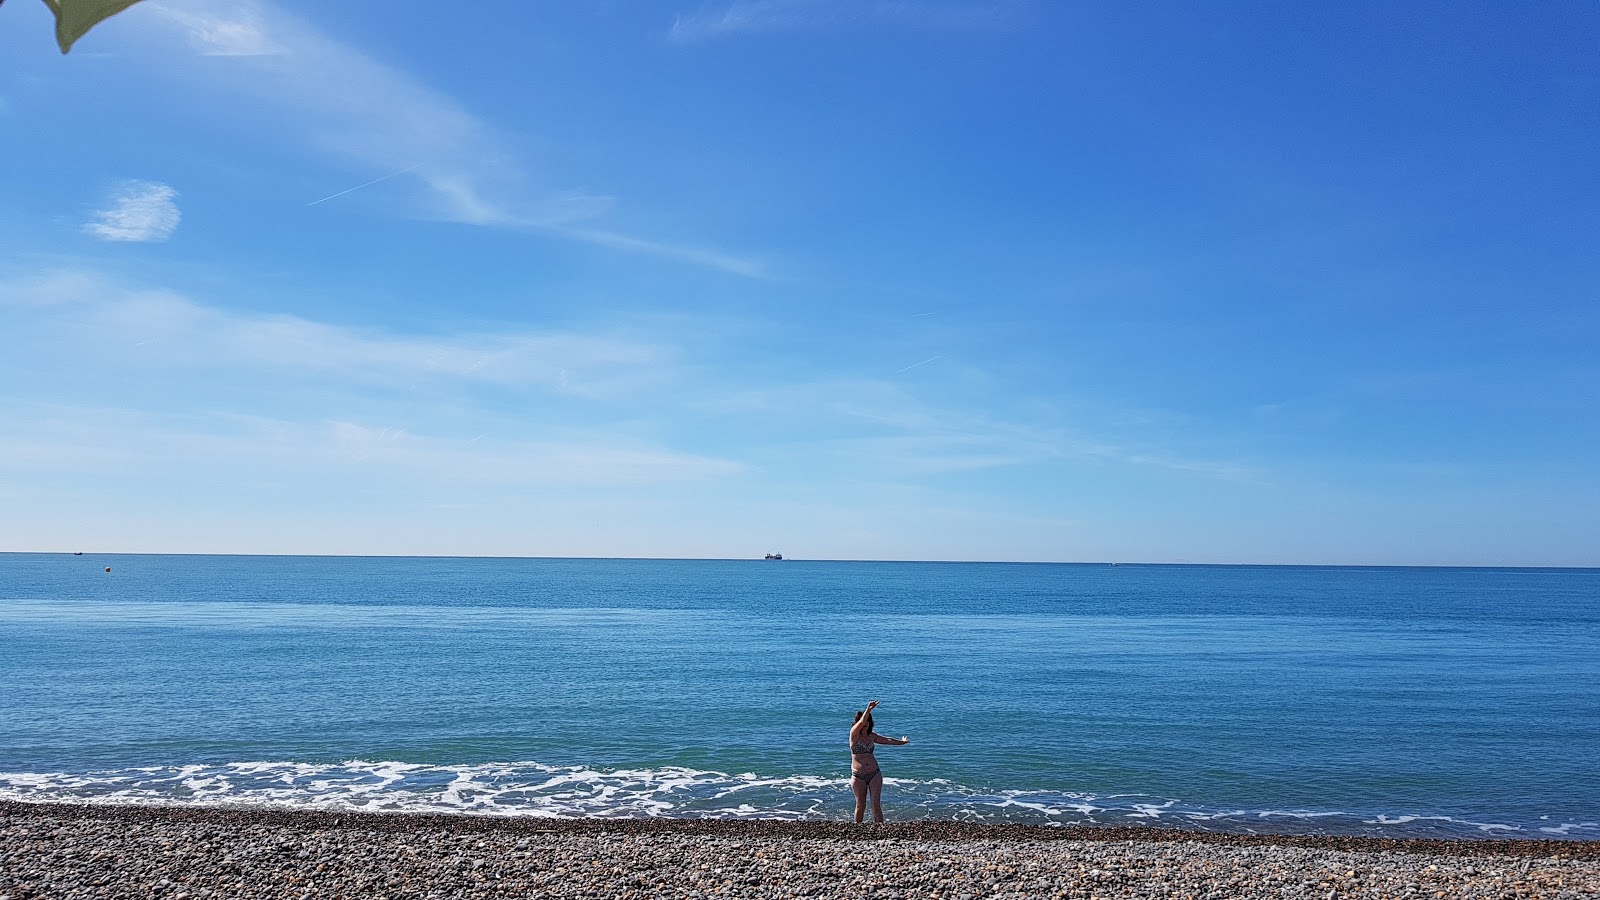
921 830
212 852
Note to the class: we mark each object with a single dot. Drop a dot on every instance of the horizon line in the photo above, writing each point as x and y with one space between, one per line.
1016 562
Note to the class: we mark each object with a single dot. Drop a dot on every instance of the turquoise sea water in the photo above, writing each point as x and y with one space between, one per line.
1393 701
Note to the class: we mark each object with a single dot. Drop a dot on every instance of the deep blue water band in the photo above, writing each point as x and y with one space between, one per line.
1349 700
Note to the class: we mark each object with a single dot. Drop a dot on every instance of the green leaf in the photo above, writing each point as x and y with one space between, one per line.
74 18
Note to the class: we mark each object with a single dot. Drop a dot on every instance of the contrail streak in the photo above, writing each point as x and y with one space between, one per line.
359 186
914 365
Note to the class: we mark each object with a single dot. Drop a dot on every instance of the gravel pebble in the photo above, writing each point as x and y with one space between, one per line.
63 851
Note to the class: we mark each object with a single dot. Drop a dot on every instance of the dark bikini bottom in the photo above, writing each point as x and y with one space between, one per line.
867 777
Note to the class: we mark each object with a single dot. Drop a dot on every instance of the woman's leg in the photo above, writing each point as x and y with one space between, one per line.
861 797
877 799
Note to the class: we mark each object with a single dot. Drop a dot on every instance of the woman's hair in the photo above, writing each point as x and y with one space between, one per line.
859 714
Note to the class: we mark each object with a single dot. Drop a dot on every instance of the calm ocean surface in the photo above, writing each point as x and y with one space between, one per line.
1404 702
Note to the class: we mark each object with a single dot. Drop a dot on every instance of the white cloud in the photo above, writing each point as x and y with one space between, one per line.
766 15
762 16
243 34
137 211
157 330
388 123
348 103
132 396
116 442
131 389
921 455
876 426
708 258
592 459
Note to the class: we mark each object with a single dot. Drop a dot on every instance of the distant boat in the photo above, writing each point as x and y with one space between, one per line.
774 556
77 553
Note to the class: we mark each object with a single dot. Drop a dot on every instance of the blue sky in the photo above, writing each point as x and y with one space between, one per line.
958 279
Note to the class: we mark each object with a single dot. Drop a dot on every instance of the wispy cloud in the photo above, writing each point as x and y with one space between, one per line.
388 123
62 438
592 459
764 16
241 34
163 330
107 381
145 393
922 455
378 117
708 258
877 426
759 16
137 211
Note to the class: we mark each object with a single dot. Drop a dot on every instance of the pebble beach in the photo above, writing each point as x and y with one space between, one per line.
207 853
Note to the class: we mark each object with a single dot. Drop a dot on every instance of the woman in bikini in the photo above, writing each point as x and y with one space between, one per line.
865 776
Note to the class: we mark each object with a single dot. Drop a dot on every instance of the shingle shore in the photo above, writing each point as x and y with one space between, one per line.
206 853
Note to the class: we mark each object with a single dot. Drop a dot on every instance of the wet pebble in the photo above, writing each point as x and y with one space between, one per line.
49 851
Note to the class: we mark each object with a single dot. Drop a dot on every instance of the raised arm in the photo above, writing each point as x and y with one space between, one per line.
858 731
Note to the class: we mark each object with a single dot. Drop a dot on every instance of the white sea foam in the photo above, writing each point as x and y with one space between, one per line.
516 789
534 789
1150 810
1447 820
1566 829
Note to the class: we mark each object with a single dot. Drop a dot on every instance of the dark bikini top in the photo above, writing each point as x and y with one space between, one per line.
860 748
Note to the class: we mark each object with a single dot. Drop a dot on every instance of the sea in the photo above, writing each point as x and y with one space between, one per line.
1399 702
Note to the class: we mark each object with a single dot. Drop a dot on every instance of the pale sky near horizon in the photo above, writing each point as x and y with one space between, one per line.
957 279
